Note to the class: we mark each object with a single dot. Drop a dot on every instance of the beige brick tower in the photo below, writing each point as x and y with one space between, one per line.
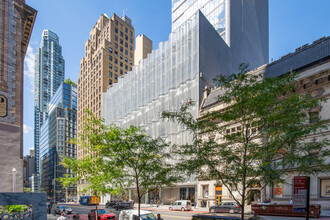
109 54
143 48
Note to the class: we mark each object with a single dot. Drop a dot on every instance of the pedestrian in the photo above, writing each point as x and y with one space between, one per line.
291 201
158 203
62 217
158 217
151 202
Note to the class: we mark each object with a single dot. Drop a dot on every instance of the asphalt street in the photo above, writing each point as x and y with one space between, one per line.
166 214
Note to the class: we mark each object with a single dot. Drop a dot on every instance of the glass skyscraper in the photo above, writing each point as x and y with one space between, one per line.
49 74
55 134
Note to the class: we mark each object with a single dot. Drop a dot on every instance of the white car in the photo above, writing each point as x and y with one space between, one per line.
183 205
132 214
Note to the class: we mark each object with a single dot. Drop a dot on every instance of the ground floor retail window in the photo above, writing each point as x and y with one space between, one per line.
325 187
277 191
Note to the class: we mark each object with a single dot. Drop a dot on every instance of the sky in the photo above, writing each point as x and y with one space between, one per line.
292 23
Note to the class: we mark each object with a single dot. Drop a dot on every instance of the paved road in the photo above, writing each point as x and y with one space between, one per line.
168 215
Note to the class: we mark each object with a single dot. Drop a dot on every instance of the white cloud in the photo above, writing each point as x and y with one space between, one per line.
29 66
26 129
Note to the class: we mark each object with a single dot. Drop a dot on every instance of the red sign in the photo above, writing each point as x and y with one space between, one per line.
299 193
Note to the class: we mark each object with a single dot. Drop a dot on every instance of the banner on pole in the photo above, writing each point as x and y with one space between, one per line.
299 194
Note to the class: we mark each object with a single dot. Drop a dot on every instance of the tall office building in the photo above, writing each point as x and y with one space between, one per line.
55 134
29 162
143 48
109 54
16 24
49 74
181 67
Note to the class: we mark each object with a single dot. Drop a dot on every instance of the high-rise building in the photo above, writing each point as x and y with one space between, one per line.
55 135
16 24
109 54
142 49
180 68
28 167
49 74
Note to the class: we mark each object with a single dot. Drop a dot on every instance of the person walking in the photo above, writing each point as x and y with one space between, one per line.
158 217
158 203
62 217
151 203
291 201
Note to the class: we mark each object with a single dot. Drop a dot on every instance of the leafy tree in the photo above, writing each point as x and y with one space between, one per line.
146 162
271 125
99 176
27 189
68 80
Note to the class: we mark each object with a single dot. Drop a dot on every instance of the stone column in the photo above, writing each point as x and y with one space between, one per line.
161 196
146 198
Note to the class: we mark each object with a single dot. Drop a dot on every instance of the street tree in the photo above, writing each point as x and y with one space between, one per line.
271 139
147 163
98 176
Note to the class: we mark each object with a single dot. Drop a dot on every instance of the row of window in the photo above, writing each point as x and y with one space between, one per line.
121 33
126 38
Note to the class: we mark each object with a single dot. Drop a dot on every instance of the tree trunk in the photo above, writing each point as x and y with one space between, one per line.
96 213
139 198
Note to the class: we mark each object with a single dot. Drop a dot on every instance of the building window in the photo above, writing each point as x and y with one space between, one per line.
131 55
121 72
116 61
116 77
116 46
278 191
110 50
131 40
126 60
205 191
131 62
110 74
110 58
126 52
110 82
121 34
325 187
121 56
126 45
116 54
116 38
121 41
110 66
126 30
126 67
116 29
131 33
126 37
131 48
116 69
121 49
121 64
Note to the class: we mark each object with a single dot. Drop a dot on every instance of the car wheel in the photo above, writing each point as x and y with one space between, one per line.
170 209
182 209
212 210
231 211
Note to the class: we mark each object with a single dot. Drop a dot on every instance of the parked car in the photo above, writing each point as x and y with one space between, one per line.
183 205
123 205
231 207
102 214
133 215
59 209
112 203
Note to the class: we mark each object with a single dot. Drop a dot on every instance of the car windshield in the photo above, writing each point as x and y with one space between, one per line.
102 211
148 216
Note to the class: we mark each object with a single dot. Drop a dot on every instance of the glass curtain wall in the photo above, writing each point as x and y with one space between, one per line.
165 80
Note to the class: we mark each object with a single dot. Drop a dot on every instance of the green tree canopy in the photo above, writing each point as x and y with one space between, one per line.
68 80
260 134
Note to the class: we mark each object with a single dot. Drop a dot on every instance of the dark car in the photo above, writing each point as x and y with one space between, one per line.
102 214
123 205
112 203
231 207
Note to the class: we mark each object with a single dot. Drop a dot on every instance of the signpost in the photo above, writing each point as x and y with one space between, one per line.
301 187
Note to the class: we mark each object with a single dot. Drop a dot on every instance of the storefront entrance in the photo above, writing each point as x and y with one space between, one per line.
218 195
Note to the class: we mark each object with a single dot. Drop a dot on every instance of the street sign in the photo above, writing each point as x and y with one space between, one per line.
299 194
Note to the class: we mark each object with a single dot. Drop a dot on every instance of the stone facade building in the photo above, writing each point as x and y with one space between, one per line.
16 24
312 63
29 162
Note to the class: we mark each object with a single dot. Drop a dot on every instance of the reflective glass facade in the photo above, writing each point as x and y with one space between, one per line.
49 74
55 133
214 11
